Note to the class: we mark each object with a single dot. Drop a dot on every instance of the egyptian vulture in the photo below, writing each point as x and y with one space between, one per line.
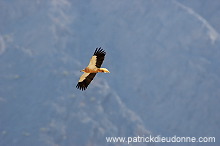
93 68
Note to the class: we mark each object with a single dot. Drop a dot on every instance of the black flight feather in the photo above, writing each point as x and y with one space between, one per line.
84 84
100 53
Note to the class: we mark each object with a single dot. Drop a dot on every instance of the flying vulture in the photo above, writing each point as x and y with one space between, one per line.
93 68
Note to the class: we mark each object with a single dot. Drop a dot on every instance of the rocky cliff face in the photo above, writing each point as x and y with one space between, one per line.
40 107
163 57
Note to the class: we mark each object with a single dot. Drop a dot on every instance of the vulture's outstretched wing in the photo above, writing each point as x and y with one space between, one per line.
85 80
97 58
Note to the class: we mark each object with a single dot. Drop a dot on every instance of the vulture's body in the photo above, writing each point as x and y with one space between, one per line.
93 68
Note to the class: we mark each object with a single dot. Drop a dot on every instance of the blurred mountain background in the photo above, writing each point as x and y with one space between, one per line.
164 62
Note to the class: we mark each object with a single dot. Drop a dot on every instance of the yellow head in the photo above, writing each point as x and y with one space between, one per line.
104 70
